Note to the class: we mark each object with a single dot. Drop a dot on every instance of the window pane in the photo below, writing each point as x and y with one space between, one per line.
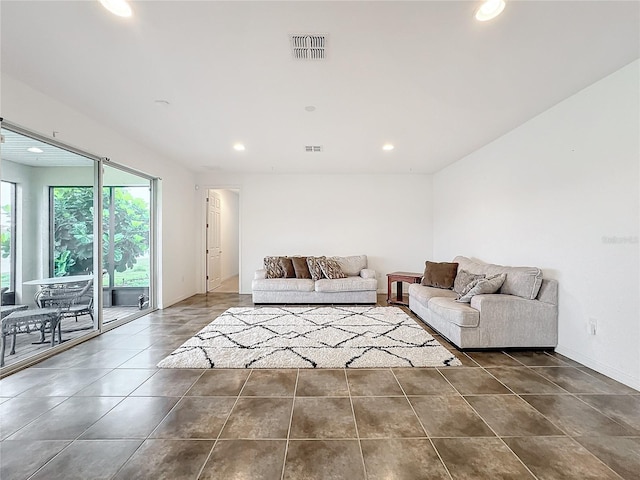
7 234
131 239
72 230
127 211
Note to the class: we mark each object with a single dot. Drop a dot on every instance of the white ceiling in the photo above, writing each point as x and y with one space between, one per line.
15 147
423 75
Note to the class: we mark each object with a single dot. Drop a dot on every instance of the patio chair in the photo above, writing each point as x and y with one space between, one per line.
27 321
72 301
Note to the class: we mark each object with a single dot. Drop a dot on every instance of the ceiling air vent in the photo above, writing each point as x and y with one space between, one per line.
308 46
313 148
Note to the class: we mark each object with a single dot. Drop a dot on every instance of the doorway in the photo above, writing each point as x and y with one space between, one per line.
222 247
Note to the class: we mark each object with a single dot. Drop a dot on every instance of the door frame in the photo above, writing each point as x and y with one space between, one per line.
202 250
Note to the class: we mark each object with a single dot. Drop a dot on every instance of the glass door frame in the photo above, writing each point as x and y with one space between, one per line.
153 270
98 170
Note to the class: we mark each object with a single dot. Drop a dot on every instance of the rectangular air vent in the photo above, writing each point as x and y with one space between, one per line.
312 148
308 46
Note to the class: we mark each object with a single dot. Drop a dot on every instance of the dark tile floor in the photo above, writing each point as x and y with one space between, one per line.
103 410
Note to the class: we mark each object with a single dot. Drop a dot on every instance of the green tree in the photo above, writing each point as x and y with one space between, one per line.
73 229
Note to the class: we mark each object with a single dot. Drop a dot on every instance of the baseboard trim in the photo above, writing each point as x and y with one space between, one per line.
607 370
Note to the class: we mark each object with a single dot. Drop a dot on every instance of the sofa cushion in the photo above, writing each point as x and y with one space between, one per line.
314 268
283 285
439 275
348 284
272 267
424 294
367 273
286 265
464 278
523 282
352 265
300 266
457 313
480 286
330 268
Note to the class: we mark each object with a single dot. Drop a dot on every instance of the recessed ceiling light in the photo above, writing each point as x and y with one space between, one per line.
489 9
310 108
34 150
120 8
387 147
239 147
164 103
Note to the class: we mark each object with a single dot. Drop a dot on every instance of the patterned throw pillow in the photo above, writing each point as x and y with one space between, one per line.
481 286
464 278
331 268
272 266
314 267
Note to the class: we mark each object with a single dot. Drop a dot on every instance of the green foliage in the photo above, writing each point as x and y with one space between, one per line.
73 233
5 235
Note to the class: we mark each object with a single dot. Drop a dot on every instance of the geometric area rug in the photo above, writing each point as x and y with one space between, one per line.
311 337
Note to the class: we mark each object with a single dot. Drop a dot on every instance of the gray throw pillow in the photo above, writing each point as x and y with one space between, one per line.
464 278
482 286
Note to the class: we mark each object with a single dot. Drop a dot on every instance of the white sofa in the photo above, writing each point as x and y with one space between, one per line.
524 314
359 286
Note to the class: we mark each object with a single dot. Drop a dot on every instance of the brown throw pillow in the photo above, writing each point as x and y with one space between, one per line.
314 267
272 266
286 265
300 266
439 275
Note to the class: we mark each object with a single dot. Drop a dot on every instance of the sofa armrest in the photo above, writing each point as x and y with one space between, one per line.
517 321
512 308
260 274
367 273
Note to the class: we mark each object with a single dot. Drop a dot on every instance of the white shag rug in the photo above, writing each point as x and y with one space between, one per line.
311 337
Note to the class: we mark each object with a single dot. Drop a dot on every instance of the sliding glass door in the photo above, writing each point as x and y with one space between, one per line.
126 244
37 299
76 243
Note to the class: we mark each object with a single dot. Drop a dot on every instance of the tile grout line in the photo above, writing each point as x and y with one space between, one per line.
162 420
532 368
487 424
75 439
355 423
215 442
293 406
423 427
559 427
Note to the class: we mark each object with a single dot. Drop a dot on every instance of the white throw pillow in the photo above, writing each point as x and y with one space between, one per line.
482 286
352 265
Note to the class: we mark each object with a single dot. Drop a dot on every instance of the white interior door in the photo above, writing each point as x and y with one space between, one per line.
213 241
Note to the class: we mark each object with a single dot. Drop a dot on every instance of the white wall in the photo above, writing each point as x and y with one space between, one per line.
31 109
31 253
229 232
387 217
556 193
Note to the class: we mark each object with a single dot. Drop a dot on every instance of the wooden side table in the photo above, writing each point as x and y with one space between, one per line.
400 277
